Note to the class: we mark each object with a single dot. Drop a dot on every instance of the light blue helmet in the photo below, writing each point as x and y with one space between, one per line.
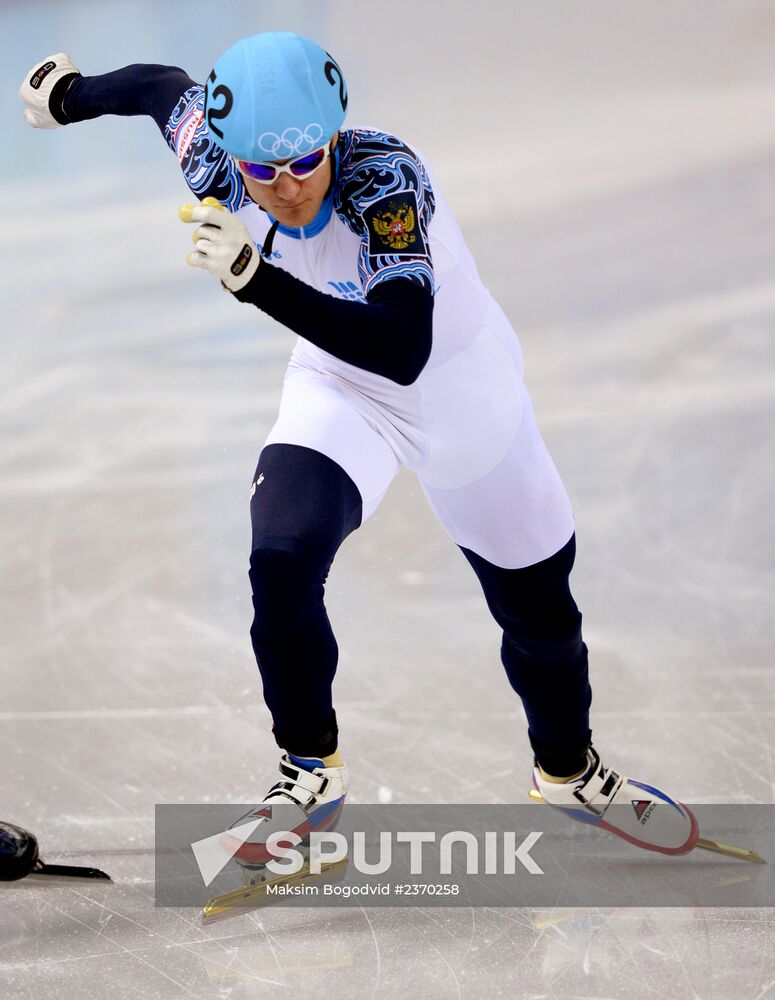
274 96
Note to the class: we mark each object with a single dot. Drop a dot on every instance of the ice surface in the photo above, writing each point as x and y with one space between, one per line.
613 166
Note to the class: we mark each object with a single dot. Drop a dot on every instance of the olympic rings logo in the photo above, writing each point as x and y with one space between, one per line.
293 141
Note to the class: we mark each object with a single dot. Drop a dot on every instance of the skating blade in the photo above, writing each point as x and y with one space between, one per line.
741 853
253 892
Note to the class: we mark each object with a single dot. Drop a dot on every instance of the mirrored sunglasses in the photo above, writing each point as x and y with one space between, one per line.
300 168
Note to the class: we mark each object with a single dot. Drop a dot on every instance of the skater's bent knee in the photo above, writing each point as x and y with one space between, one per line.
284 570
562 647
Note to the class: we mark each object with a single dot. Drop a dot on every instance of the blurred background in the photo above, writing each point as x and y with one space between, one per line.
613 168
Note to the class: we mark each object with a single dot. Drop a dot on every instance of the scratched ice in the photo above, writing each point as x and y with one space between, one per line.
613 172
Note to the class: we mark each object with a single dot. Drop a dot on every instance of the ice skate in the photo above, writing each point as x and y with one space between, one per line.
645 816
302 801
20 859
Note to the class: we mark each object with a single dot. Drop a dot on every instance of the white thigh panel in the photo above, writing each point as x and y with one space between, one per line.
471 409
518 512
316 412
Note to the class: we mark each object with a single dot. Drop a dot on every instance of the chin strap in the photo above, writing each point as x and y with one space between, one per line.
266 250
334 170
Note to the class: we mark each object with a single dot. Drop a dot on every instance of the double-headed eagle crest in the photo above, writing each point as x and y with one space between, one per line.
395 226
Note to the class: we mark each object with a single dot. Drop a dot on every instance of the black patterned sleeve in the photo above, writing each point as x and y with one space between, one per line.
208 170
169 96
385 198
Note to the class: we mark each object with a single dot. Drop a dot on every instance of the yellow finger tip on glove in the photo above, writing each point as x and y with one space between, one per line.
185 212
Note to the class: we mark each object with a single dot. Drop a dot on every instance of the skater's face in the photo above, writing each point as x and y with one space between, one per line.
292 201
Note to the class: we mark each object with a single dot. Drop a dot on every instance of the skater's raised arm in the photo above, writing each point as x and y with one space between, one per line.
140 89
56 93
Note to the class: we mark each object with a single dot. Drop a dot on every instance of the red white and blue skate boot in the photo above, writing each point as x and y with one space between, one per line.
304 799
640 813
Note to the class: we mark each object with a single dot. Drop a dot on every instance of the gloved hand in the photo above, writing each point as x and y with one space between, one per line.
43 90
223 244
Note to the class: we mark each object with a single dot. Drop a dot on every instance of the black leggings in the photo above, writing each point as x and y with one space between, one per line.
303 507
